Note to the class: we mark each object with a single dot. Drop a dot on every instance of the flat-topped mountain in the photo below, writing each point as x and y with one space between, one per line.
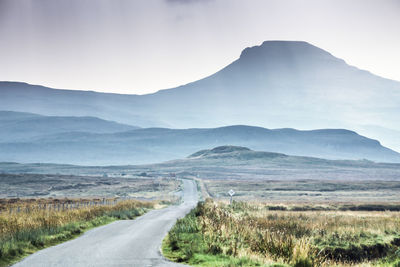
278 84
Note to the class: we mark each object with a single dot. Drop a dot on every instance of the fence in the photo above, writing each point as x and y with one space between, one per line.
27 206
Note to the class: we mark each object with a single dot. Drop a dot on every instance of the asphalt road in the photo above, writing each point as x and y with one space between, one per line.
121 243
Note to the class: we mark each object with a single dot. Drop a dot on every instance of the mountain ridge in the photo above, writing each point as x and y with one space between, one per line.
149 145
274 90
19 126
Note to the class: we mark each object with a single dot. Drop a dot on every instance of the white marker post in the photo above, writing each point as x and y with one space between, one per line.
231 193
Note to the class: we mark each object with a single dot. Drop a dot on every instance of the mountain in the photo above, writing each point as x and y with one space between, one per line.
149 145
276 85
20 126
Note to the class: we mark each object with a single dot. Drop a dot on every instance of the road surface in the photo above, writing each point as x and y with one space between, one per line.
121 243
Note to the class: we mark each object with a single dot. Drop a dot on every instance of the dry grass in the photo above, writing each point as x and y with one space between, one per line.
74 186
32 228
12 205
296 238
321 237
11 223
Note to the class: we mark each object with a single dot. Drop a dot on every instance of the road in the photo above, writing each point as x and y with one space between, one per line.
121 243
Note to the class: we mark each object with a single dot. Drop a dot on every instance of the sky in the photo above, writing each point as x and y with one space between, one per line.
138 47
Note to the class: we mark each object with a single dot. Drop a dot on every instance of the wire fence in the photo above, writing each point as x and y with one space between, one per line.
57 204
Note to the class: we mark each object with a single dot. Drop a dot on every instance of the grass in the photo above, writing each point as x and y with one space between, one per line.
306 190
251 234
83 186
185 244
24 233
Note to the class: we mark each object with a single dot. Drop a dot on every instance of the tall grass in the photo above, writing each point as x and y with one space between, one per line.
295 238
25 232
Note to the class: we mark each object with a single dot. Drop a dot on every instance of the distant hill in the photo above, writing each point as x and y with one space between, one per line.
221 150
150 145
19 126
233 162
225 156
236 152
276 85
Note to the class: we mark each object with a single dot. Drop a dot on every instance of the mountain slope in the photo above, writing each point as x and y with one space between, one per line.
277 84
18 126
160 144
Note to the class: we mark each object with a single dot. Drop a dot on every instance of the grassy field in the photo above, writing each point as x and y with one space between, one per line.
261 234
75 186
31 229
305 191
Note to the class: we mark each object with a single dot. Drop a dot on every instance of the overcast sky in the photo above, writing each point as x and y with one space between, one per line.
142 46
